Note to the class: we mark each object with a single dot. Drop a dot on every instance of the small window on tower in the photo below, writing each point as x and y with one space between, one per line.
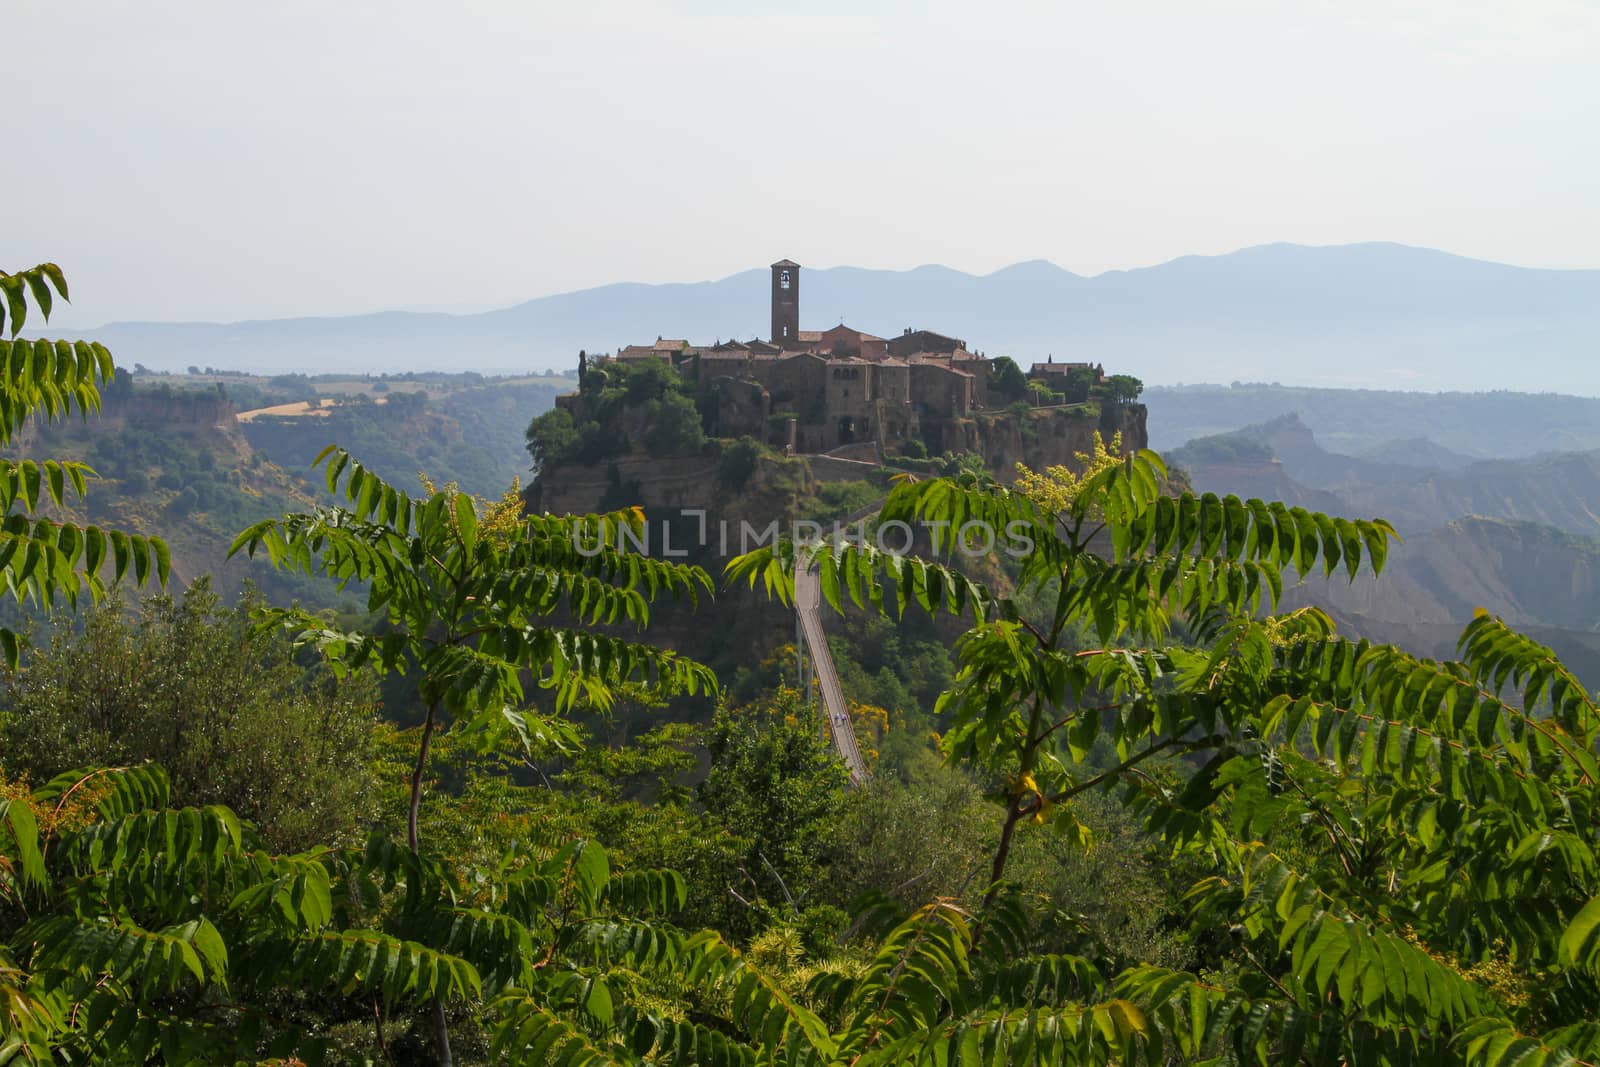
783 279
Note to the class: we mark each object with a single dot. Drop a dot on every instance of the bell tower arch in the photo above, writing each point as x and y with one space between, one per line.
786 303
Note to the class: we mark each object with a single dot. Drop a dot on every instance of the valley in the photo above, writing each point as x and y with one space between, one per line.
173 456
821 535
1519 538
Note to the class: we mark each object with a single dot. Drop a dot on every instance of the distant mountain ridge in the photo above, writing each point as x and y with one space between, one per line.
1374 315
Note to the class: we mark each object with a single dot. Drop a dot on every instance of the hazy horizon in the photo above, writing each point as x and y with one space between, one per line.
213 163
477 309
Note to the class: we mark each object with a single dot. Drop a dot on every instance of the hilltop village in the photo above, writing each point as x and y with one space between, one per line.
845 391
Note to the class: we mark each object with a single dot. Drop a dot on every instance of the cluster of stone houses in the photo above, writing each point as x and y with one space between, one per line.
817 390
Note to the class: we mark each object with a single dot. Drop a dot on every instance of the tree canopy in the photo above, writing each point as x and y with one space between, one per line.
41 559
1399 854
1007 379
1166 821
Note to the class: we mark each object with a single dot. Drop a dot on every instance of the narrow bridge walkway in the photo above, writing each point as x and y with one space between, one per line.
807 602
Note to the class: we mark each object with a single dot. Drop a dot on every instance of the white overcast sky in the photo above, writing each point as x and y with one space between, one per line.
223 160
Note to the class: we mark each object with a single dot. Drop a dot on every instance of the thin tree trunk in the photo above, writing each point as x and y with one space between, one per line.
441 1030
1003 851
377 1029
1014 813
441 1034
416 778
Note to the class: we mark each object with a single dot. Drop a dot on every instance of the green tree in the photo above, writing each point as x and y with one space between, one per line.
1122 388
477 603
1080 382
553 440
133 932
42 559
222 705
738 462
777 785
672 426
649 379
1361 815
1007 379
1390 861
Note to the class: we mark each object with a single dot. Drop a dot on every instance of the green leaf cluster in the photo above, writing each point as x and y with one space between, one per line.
1401 853
42 559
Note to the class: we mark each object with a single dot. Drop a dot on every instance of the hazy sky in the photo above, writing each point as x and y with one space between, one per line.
224 160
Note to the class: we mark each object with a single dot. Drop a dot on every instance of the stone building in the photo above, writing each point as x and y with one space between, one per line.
820 390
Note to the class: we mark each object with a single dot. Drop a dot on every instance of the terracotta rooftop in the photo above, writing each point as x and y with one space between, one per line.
759 354
945 365
864 335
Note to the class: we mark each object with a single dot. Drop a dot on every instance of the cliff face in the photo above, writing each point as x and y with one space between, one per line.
1044 437
1540 580
743 627
1514 537
775 488
194 411
172 463
201 420
471 436
1528 574
1047 437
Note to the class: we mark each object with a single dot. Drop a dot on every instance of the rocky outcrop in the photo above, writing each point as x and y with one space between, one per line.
1042 437
1047 437
744 626
204 418
1528 574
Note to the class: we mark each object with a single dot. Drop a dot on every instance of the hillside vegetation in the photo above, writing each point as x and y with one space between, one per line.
171 457
470 434
172 462
1121 806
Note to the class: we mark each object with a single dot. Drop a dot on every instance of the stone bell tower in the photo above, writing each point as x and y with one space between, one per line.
785 303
